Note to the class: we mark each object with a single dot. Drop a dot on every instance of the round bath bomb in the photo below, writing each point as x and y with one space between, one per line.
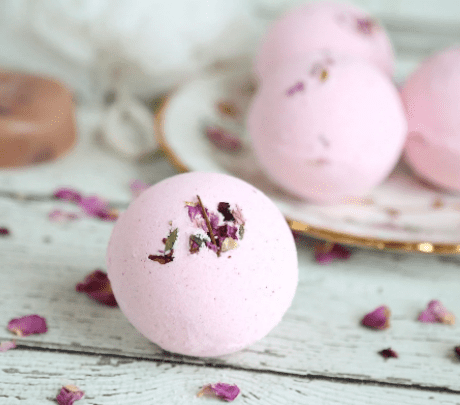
327 128
342 28
431 96
202 283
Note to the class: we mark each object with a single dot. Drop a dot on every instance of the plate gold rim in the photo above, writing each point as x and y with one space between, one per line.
424 247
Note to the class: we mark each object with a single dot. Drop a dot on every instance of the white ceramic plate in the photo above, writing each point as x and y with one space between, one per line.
403 213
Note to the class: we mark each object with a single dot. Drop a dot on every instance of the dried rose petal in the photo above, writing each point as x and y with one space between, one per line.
163 259
457 350
69 394
366 25
435 312
224 209
378 318
238 214
94 205
298 87
4 231
97 286
137 187
387 353
67 194
28 325
5 346
327 252
223 139
63 216
227 392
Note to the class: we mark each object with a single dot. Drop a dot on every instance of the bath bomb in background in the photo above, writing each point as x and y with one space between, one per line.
342 28
196 292
431 96
327 128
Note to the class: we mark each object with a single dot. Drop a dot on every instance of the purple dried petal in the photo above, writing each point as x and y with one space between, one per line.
298 87
194 211
328 252
28 325
4 231
63 216
94 205
211 246
365 25
435 312
377 319
5 346
457 350
69 394
223 139
224 209
388 353
67 194
224 391
137 187
97 286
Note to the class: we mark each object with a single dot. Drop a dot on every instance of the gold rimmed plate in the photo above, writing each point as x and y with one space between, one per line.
401 214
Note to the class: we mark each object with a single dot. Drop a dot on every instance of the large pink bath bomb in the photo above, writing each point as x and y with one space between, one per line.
432 100
327 128
342 28
202 285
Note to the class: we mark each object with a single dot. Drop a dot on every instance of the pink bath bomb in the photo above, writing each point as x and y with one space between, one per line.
340 28
432 99
327 128
190 295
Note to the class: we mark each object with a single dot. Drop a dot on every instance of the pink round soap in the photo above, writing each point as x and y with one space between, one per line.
342 28
327 128
432 99
188 294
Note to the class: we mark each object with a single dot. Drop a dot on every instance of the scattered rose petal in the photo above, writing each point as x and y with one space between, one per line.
97 286
366 25
223 139
435 312
163 259
63 216
67 194
93 205
327 252
238 214
4 231
296 88
377 319
137 187
28 325
5 346
387 353
224 209
227 392
69 394
457 351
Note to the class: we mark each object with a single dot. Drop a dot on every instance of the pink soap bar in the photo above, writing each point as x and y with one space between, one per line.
336 27
192 297
327 127
431 96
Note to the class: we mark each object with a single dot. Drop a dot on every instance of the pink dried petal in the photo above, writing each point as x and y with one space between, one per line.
298 87
67 194
108 215
223 139
69 394
328 252
97 286
224 391
137 187
5 346
238 214
366 25
94 205
435 312
4 231
388 353
457 351
28 325
378 318
63 216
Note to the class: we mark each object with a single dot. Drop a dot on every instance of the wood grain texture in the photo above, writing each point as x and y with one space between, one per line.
27 379
319 336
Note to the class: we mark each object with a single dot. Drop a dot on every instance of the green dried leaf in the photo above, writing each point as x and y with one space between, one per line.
197 239
171 240
241 231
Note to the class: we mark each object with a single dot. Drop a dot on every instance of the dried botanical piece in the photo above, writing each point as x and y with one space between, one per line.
438 203
379 318
388 353
63 216
228 108
435 312
4 231
67 194
97 286
137 187
324 75
163 259
224 209
366 26
69 394
166 255
5 346
228 244
296 88
327 252
171 240
222 139
457 351
28 325
224 391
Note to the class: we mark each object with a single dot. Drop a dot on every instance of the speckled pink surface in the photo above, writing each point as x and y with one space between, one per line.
340 28
327 140
200 304
431 96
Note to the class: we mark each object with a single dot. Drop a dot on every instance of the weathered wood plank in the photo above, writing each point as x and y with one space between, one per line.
320 335
36 377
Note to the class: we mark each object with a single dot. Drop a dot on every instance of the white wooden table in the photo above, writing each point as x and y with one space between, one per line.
318 354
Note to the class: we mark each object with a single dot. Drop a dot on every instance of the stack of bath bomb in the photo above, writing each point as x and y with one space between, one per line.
327 123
